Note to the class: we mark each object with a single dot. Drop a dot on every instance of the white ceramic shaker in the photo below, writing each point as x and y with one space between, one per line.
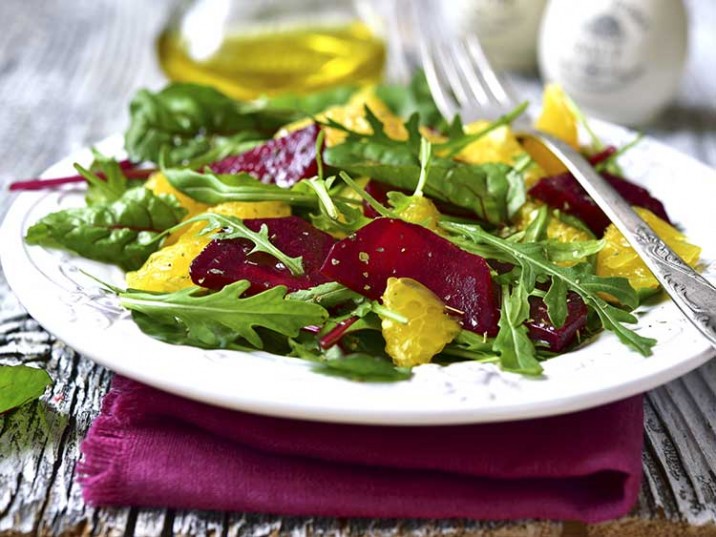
620 60
507 29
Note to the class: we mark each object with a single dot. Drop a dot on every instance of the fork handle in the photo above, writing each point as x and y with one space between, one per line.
691 292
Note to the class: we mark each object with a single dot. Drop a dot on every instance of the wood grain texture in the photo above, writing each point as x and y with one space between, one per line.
67 70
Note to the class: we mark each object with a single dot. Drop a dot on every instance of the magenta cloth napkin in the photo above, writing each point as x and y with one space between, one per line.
149 448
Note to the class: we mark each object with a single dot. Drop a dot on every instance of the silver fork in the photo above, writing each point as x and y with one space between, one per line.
462 81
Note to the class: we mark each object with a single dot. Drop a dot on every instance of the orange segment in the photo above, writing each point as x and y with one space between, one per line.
618 258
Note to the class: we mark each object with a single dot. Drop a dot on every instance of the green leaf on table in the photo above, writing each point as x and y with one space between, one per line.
223 319
122 232
20 384
185 121
363 367
579 278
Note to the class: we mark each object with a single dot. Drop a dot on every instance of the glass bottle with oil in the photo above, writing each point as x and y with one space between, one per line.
250 48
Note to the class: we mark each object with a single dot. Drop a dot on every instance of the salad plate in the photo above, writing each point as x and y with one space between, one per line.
56 289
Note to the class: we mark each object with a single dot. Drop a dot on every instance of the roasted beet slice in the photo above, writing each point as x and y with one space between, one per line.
380 192
565 193
387 247
283 161
226 261
540 327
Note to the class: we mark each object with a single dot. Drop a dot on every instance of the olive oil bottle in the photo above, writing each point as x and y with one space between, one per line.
249 62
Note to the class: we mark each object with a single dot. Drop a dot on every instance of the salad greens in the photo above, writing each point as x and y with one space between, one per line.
539 284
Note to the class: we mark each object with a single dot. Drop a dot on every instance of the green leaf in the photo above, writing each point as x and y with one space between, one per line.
484 189
184 121
575 251
516 350
214 189
231 227
122 232
222 319
556 302
313 103
20 384
537 229
363 367
414 98
578 278
103 191
328 295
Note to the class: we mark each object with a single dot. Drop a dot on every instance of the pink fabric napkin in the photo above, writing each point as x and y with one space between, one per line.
149 448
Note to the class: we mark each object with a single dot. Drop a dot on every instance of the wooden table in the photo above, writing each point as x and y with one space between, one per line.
67 70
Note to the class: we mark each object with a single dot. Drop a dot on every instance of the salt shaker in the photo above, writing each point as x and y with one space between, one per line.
620 60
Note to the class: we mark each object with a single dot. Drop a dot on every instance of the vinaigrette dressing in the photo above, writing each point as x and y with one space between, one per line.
299 61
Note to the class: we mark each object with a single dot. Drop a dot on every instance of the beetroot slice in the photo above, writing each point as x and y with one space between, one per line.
388 248
540 328
283 161
226 261
565 193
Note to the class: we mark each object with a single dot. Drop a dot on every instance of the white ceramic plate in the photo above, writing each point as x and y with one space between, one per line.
70 305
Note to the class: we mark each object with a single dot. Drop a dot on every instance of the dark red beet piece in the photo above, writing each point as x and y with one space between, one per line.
283 161
226 261
380 192
565 193
540 327
388 248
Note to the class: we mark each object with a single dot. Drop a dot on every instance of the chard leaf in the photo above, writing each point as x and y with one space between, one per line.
123 232
184 121
484 189
99 191
516 350
20 384
578 278
220 320
363 367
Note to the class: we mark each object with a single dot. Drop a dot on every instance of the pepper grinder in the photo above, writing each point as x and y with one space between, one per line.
620 60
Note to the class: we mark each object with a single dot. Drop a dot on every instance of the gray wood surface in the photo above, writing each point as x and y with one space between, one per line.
67 69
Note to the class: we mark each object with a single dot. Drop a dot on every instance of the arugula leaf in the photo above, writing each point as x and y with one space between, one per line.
516 350
328 295
221 319
363 367
493 191
183 121
579 278
556 301
213 189
21 384
231 227
122 232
